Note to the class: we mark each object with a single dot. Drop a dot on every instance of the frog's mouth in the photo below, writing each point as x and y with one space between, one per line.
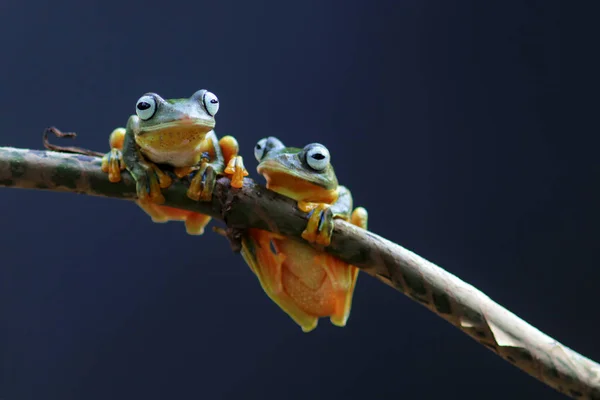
175 135
297 185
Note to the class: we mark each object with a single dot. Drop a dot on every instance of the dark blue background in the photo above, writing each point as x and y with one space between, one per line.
468 130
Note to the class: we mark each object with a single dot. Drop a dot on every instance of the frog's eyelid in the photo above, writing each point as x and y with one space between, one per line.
317 156
145 107
272 143
259 149
210 102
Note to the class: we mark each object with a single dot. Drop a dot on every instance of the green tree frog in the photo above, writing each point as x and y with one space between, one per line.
178 135
306 283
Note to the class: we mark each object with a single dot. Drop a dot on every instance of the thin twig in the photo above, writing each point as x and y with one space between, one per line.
65 149
253 206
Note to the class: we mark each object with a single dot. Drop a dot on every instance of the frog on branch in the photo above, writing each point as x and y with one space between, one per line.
168 138
305 282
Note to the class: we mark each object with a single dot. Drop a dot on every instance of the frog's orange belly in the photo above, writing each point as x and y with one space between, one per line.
320 302
318 283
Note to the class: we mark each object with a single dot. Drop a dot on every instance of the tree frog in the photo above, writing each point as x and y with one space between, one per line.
178 135
306 283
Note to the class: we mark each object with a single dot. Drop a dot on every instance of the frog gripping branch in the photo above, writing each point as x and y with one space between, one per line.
305 282
177 135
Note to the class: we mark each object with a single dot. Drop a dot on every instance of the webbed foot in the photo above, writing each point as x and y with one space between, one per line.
149 180
112 163
155 211
194 222
235 168
183 171
203 183
164 180
320 225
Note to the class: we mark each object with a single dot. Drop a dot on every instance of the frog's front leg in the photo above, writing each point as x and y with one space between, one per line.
113 162
321 216
320 225
205 178
148 177
203 182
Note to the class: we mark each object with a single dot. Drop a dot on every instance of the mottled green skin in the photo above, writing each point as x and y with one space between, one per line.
292 162
171 113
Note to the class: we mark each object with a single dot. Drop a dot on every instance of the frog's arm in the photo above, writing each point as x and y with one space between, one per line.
320 223
343 205
217 161
203 182
124 154
148 177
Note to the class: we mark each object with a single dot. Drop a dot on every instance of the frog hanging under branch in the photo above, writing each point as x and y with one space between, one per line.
305 282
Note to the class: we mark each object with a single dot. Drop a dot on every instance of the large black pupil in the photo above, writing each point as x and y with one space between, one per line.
142 105
318 156
214 101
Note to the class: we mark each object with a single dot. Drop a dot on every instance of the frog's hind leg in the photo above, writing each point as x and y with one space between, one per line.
260 251
234 163
194 222
346 275
116 139
230 147
112 162
154 211
359 217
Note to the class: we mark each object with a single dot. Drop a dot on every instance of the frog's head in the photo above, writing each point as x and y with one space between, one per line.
301 174
174 124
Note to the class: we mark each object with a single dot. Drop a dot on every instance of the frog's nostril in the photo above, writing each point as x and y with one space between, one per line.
186 119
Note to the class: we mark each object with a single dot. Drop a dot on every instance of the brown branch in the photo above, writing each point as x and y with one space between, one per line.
253 206
65 149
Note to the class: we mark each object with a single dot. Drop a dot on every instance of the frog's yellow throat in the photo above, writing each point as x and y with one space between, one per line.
178 136
298 188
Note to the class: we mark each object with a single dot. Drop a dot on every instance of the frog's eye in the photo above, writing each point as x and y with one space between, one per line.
145 107
259 149
211 103
317 156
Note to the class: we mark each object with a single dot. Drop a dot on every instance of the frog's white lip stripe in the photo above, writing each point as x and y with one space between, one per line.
183 122
274 166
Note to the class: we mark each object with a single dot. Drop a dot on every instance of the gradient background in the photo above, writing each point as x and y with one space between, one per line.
468 130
